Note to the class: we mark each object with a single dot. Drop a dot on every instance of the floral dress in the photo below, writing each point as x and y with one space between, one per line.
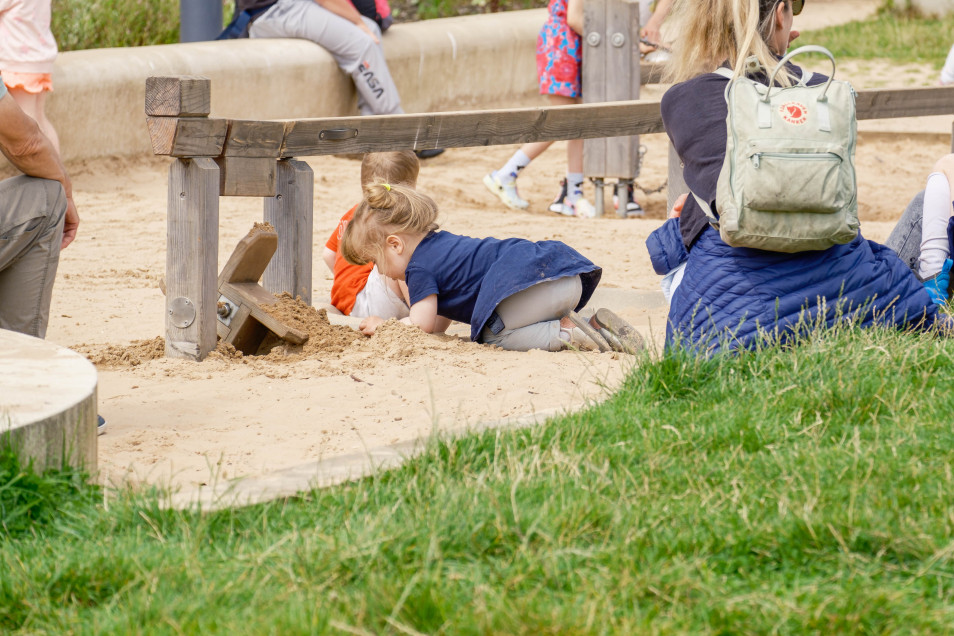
559 54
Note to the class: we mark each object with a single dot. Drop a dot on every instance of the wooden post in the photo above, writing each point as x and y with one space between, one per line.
610 73
291 213
192 248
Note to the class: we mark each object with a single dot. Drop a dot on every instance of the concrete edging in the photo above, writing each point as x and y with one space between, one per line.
48 406
464 63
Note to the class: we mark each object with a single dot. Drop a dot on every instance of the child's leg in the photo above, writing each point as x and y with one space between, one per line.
935 248
33 104
531 318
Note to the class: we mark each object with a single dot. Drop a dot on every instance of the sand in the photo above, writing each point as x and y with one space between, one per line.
186 424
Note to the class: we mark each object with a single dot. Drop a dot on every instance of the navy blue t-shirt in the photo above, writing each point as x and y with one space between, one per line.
694 114
472 276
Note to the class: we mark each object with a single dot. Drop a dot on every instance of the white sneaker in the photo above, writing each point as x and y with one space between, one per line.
505 192
633 209
581 208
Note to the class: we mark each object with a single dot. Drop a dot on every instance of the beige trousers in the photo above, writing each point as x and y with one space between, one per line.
32 212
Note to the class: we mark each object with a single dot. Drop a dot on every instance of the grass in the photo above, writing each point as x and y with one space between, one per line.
805 489
896 36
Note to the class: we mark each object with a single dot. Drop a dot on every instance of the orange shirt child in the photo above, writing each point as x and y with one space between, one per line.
349 279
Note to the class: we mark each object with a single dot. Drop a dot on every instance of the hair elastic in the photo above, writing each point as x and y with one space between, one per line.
387 186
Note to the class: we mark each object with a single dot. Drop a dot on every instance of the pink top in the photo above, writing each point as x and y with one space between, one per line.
26 42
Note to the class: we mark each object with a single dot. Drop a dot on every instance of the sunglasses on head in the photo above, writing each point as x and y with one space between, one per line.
797 6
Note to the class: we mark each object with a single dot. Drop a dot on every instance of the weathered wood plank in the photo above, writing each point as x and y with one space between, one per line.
182 96
890 103
611 73
247 176
192 248
187 136
254 138
469 128
290 211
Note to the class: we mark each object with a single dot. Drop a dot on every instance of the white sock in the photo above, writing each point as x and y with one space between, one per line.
574 186
937 212
508 173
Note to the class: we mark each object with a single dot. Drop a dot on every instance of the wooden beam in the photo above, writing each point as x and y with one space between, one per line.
192 249
291 213
182 96
339 135
254 138
187 136
889 103
247 176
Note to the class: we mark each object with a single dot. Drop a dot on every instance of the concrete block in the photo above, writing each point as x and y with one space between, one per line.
47 402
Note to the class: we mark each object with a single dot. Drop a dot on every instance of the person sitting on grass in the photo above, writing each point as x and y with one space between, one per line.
361 290
731 297
514 293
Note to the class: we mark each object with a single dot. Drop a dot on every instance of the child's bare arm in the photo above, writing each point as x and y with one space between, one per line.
424 314
328 256
574 15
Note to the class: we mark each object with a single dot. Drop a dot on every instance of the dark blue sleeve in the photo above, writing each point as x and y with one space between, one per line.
666 248
420 284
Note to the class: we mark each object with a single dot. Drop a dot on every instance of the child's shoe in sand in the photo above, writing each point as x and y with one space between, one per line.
506 192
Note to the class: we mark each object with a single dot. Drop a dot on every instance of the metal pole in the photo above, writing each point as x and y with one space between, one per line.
199 20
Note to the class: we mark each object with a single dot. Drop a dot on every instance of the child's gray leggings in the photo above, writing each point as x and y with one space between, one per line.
531 318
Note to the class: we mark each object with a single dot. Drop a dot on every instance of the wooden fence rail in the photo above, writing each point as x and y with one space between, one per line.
227 157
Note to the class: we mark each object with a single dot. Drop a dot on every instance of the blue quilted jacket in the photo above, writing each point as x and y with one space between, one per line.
728 295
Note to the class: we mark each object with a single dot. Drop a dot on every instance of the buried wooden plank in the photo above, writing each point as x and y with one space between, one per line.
338 135
180 96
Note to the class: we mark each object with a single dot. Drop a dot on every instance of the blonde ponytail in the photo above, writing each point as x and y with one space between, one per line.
387 209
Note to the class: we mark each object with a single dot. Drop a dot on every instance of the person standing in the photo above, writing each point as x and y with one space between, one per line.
27 53
37 219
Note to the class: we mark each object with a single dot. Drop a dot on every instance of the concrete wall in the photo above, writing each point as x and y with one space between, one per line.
934 7
473 62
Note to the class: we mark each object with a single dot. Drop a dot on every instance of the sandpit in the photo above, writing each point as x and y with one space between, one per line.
189 424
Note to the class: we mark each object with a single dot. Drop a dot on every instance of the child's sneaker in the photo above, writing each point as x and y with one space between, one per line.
582 208
505 192
557 205
938 286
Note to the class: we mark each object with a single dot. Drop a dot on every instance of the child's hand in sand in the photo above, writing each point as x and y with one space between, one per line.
370 324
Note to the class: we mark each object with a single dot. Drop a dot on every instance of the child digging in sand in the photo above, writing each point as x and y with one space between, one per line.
514 293
361 290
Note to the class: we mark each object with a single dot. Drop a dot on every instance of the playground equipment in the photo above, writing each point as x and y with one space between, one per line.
241 320
224 157
611 72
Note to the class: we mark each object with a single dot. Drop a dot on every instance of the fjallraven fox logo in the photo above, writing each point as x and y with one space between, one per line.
794 112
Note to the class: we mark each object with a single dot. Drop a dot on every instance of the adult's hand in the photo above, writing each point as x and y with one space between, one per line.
70 225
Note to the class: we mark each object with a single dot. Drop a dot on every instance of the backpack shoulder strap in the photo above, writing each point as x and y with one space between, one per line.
704 205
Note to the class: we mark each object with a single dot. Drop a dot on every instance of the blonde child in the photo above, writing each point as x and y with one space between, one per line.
514 293
27 52
361 290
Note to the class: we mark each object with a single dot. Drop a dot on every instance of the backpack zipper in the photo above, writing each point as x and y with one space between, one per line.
827 156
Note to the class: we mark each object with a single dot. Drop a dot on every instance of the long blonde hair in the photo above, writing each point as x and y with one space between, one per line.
711 32
387 209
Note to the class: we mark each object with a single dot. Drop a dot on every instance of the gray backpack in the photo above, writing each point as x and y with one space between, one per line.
788 180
